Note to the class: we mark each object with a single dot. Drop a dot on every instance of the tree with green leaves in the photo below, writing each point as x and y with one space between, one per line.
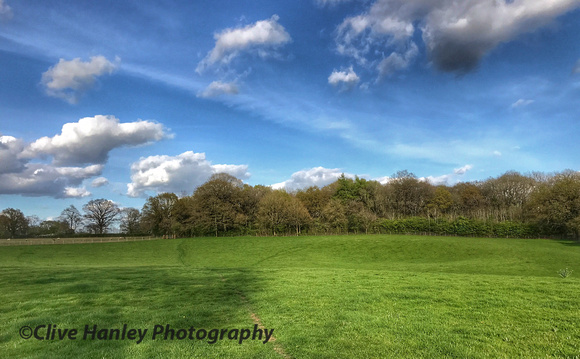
409 195
555 205
441 202
279 212
13 223
218 204
334 217
157 214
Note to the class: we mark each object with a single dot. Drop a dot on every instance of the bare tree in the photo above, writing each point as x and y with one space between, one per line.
130 221
100 214
72 217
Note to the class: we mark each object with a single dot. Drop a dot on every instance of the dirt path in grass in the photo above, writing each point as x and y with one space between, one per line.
277 347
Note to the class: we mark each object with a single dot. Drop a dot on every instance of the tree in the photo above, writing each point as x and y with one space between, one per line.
409 195
13 222
100 214
334 216
555 205
130 221
53 228
441 202
278 212
157 214
508 194
314 199
218 204
470 202
72 217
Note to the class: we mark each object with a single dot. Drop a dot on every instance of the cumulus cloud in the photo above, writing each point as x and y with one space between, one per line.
522 103
448 179
262 36
456 34
37 179
99 182
317 176
347 78
320 177
76 155
176 174
5 10
76 192
92 138
68 80
10 151
218 88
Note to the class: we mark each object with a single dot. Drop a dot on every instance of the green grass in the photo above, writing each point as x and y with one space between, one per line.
373 296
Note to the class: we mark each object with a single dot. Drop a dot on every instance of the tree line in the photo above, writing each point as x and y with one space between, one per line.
510 205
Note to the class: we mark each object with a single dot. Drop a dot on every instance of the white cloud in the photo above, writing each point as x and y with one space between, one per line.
218 88
5 10
99 182
262 35
176 174
317 176
448 179
47 180
10 150
457 34
462 170
522 103
68 80
92 138
383 180
78 154
497 153
397 61
347 78
320 177
76 192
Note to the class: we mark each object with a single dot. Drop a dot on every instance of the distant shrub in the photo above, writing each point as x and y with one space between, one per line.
460 226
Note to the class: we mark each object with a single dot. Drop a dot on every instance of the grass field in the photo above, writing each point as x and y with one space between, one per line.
372 296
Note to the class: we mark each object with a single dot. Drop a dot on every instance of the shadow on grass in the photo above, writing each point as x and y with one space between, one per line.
572 243
112 297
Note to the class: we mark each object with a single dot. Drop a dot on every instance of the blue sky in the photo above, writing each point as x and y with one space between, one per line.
126 99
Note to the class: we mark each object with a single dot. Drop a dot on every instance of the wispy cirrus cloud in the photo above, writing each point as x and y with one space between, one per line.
5 10
522 103
218 88
331 2
576 68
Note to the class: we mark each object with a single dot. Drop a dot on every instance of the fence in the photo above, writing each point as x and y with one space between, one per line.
37 241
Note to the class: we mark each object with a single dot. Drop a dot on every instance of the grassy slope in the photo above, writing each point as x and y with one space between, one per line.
352 296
